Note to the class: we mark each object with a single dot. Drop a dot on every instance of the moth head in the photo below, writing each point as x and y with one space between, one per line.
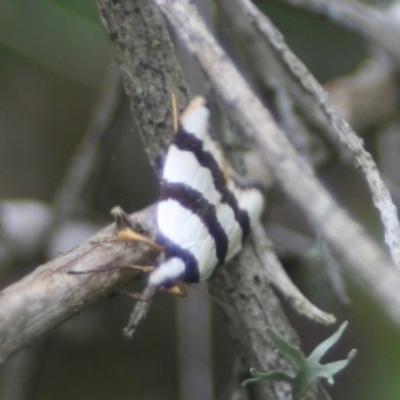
168 273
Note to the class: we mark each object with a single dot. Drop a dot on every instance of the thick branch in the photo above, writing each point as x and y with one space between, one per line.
49 295
151 73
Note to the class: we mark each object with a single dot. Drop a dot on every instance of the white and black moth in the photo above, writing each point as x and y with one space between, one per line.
204 214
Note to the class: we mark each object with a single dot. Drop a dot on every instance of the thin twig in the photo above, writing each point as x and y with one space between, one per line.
138 314
262 64
85 160
280 279
334 273
380 194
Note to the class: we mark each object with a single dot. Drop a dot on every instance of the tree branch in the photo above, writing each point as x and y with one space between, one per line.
49 295
70 191
279 278
150 71
357 251
340 128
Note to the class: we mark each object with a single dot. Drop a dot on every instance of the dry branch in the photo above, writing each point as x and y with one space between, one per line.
339 126
279 278
70 192
150 71
49 295
356 250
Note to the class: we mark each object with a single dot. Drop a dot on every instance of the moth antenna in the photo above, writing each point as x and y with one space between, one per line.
144 269
175 116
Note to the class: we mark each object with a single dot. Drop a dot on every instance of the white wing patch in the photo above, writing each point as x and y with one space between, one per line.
183 167
183 227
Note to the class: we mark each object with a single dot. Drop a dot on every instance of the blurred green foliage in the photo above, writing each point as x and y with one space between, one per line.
307 369
65 36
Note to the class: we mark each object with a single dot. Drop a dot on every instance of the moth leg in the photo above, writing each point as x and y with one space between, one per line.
175 117
179 290
126 232
128 235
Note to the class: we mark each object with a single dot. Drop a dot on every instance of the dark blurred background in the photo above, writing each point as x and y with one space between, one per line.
54 56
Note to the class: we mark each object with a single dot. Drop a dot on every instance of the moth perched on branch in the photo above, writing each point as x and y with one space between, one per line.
204 213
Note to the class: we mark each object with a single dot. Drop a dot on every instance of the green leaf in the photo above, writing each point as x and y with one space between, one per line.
308 369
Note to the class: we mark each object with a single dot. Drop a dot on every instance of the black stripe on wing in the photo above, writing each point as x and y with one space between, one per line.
192 273
187 142
193 200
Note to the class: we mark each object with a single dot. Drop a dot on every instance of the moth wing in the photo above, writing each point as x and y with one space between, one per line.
186 229
232 228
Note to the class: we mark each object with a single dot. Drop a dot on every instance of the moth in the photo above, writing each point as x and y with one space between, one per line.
204 213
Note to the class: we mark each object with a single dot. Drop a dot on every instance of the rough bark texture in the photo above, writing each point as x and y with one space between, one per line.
151 74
